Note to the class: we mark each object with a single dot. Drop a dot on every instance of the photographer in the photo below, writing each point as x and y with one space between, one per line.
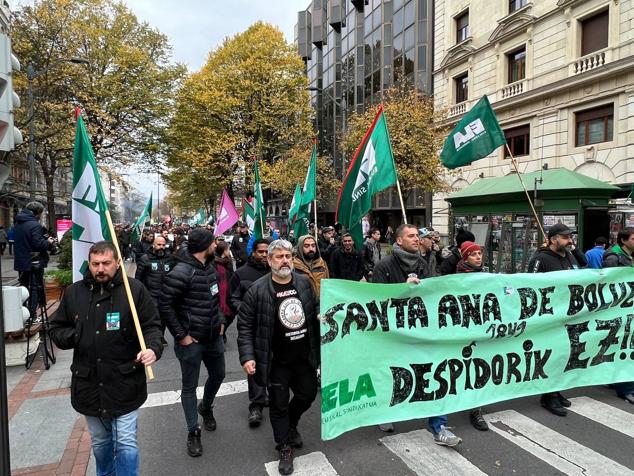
31 245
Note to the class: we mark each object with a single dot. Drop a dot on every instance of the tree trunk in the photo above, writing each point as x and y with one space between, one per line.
50 205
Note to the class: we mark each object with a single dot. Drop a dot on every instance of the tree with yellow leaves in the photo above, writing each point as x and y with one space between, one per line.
248 101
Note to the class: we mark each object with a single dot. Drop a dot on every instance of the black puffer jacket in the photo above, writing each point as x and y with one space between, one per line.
242 280
389 271
189 299
346 265
29 242
545 260
151 270
239 248
256 324
106 379
450 258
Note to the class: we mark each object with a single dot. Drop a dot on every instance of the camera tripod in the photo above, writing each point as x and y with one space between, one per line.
37 305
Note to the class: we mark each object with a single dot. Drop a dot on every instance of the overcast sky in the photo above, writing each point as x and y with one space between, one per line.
195 27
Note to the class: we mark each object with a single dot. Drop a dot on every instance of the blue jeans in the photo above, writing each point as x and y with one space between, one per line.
114 444
212 354
435 422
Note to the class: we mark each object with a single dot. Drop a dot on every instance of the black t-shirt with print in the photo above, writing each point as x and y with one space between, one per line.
290 338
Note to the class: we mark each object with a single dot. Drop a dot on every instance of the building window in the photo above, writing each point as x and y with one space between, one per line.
516 5
462 88
518 140
594 125
594 33
462 27
517 65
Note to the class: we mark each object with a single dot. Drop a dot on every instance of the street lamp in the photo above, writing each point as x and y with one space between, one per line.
31 74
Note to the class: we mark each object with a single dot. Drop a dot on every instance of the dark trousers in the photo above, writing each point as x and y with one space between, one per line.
3 246
212 354
301 378
257 394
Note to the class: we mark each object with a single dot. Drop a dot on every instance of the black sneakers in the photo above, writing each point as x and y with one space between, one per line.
255 417
194 446
477 420
563 400
286 460
294 438
208 417
552 403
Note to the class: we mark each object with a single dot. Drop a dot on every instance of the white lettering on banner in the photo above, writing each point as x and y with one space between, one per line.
87 217
473 130
366 171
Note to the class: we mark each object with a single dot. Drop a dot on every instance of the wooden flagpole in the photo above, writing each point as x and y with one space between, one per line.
126 284
315 207
530 202
400 196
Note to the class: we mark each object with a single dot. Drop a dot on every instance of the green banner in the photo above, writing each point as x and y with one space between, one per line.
393 352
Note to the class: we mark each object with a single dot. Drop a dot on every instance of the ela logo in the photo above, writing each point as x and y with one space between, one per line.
329 394
473 130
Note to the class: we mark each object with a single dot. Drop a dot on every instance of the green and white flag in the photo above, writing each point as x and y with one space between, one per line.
371 170
198 218
295 204
309 193
248 215
474 137
139 225
89 202
260 212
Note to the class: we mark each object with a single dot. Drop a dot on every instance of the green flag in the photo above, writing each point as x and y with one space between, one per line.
89 202
371 170
310 184
137 228
198 218
476 136
295 204
260 212
248 215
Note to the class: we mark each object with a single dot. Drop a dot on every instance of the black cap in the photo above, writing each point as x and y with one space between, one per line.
326 229
559 229
199 239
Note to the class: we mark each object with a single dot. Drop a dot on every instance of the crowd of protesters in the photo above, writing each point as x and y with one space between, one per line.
200 284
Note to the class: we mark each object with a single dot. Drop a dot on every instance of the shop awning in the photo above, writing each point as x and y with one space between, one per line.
556 184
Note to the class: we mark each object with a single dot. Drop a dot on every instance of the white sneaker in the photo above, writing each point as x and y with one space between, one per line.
446 438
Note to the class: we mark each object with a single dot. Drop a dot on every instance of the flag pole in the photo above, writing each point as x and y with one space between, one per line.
126 285
530 202
400 196
315 207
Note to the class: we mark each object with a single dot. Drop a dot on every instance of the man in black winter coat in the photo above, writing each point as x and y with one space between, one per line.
559 254
257 266
143 245
31 248
345 261
151 269
189 304
278 342
406 265
108 371
239 244
451 255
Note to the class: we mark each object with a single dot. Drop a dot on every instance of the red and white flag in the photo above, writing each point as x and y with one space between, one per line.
227 214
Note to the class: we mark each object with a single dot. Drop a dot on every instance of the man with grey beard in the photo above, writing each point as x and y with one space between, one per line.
281 304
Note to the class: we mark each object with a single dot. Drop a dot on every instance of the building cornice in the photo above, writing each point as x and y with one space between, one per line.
511 25
458 53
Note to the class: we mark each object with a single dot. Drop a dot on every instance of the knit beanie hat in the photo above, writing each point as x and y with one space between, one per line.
199 240
464 235
467 248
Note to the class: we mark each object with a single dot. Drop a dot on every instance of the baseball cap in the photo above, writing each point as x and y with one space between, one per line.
559 229
424 232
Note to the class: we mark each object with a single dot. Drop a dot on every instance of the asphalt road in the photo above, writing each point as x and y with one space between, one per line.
524 439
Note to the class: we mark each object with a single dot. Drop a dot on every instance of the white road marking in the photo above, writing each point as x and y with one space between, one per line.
419 452
557 450
312 464
612 417
172 397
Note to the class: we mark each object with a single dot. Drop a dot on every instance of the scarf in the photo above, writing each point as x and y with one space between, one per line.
409 262
464 267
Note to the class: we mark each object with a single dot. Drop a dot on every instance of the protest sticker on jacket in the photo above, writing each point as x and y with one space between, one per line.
393 352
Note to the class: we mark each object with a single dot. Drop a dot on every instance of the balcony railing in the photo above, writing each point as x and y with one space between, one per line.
590 62
458 109
513 89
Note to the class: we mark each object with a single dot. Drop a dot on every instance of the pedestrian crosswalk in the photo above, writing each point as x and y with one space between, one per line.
417 450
